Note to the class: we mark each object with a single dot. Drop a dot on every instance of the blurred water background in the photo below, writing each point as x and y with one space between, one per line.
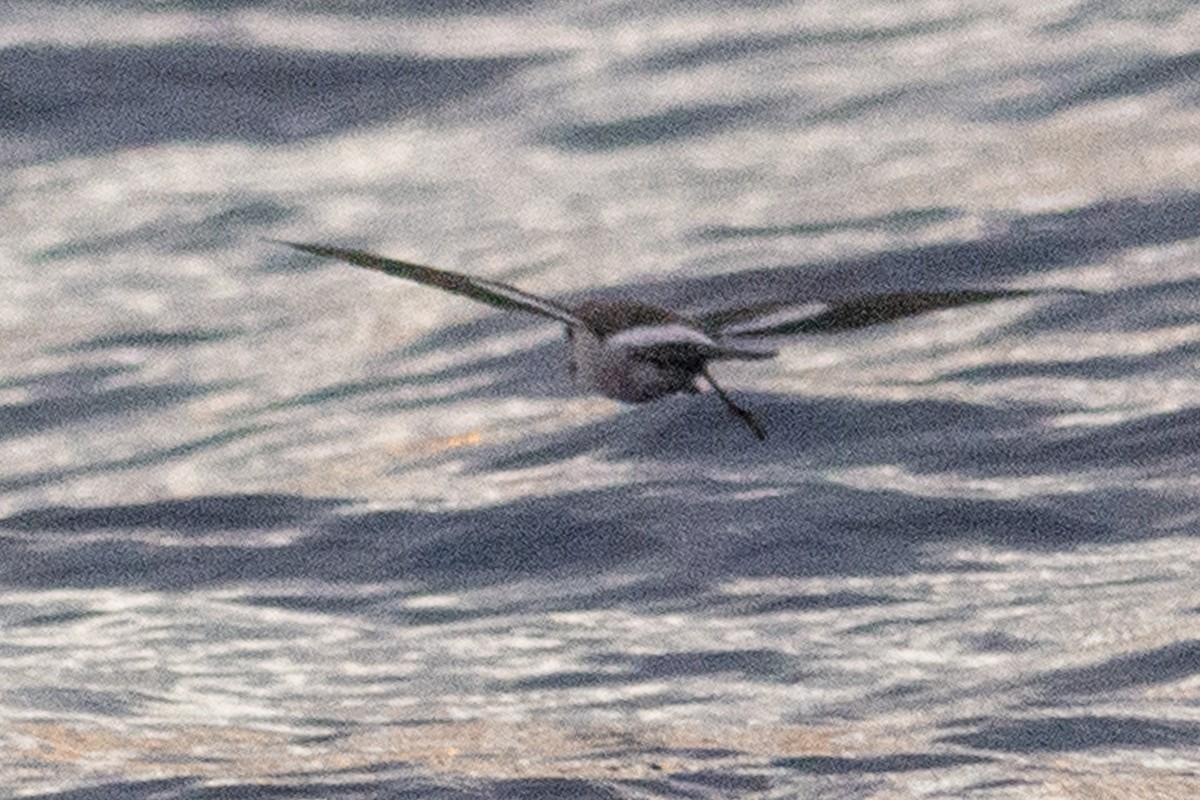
276 527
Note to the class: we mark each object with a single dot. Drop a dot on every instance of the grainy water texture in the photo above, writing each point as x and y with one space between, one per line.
276 527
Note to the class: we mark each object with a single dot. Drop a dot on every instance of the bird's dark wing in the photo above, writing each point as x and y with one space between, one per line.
781 318
496 294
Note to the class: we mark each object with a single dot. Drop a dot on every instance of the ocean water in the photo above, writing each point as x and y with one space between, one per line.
275 527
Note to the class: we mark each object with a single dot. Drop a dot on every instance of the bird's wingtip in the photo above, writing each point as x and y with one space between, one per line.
318 249
308 248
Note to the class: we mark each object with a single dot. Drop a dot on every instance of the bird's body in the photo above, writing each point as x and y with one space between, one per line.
635 352
600 365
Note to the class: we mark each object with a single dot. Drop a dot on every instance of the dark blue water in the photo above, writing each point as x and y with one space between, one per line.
276 527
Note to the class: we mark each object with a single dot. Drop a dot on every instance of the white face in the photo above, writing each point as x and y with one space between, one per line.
671 333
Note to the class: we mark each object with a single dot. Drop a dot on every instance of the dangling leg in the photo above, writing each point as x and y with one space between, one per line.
572 367
744 415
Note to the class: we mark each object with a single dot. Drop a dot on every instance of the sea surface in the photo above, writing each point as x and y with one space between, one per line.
275 527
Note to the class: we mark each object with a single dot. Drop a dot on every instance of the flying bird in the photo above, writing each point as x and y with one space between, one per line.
636 352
